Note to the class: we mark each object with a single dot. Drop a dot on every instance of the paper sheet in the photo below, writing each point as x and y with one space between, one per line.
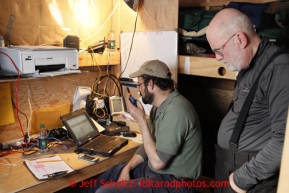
98 126
42 168
57 73
187 69
7 116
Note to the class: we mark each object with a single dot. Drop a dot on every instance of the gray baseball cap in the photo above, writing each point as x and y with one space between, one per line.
155 68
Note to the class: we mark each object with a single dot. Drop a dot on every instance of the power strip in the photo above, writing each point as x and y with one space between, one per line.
15 142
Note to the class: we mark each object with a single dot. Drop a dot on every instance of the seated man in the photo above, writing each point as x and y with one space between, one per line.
171 153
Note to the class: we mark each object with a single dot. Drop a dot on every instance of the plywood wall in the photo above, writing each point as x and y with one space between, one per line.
44 94
152 15
33 22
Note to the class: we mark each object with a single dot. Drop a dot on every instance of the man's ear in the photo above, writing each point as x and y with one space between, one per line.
242 39
150 85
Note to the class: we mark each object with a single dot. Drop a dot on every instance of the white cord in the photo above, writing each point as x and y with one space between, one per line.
7 163
103 22
30 108
107 72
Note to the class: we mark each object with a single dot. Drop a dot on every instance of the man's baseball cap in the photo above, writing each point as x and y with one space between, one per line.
155 68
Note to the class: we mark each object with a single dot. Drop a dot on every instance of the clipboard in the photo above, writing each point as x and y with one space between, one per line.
48 168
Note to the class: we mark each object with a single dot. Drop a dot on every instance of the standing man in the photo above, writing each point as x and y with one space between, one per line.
251 165
171 153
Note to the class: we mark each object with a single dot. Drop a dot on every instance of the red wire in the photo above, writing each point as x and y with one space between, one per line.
17 86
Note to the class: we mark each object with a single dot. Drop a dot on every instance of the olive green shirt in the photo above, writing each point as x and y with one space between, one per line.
178 132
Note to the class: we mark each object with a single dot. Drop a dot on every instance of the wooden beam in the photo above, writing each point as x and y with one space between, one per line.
208 67
190 3
94 59
283 185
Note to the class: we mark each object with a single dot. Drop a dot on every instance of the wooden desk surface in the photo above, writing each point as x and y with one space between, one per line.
20 179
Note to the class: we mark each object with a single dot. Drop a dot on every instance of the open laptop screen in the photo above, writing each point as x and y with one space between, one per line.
80 126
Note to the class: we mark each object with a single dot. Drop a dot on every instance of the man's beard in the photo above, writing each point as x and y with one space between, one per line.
148 98
235 63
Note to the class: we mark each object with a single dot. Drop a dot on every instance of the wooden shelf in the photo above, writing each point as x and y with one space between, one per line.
105 58
201 66
189 3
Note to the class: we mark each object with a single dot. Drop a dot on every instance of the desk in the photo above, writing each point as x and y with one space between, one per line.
20 179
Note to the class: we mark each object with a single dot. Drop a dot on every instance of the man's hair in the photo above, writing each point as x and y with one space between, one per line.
240 23
162 83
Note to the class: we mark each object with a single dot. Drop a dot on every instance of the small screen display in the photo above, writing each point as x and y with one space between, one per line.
116 105
80 126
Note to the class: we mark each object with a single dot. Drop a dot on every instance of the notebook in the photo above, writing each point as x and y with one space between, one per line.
87 137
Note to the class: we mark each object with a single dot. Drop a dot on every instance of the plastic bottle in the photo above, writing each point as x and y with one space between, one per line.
2 42
42 139
111 41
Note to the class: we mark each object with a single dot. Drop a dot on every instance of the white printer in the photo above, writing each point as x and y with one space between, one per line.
37 59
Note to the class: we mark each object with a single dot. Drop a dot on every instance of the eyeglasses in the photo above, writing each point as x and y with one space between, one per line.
139 84
219 50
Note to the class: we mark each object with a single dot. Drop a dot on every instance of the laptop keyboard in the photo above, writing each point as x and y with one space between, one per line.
100 141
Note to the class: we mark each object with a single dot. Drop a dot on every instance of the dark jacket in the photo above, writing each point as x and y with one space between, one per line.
265 126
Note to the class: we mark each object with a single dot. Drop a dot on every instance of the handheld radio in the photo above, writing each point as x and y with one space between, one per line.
131 98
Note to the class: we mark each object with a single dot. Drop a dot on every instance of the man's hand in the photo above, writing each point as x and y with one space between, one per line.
124 175
134 162
138 112
234 186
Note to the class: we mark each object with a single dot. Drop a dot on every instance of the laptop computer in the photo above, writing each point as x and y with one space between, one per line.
87 137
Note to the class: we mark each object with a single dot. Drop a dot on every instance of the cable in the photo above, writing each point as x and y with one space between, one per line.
58 142
107 71
30 108
130 45
16 96
92 57
114 79
7 162
13 104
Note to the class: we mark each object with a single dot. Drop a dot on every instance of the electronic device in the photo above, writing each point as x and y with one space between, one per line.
57 133
120 123
80 95
88 158
134 92
129 134
97 108
114 129
71 41
131 98
116 105
87 137
97 47
37 59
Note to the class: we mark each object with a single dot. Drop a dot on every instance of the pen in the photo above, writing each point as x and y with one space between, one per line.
56 174
59 160
37 157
